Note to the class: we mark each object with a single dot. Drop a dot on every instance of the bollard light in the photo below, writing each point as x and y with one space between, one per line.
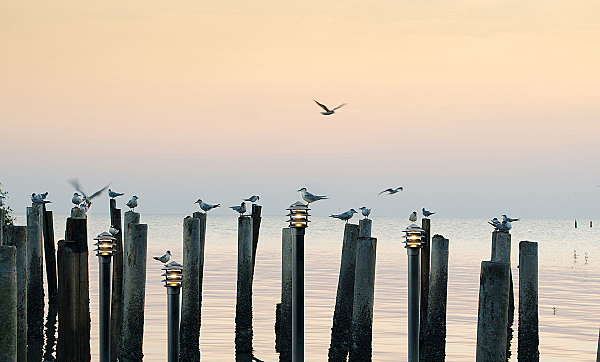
105 244
298 215
413 237
173 274
413 241
173 277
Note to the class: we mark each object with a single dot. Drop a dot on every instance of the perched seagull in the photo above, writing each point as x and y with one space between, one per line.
113 194
252 199
241 209
413 216
494 222
204 206
508 219
391 191
87 200
501 226
132 204
327 110
427 213
344 215
76 199
37 201
308 197
42 196
165 258
113 230
365 212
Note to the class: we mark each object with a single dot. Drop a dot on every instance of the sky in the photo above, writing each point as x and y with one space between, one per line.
475 108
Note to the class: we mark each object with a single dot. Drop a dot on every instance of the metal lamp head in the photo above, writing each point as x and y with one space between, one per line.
298 215
173 274
105 244
412 237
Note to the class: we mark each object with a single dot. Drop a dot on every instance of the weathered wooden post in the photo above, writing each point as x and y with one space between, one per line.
2 218
364 292
243 307
575 224
256 218
435 338
341 333
35 275
116 306
8 303
493 311
529 338
134 288
425 266
502 242
189 348
50 254
74 291
365 227
17 236
285 329
202 232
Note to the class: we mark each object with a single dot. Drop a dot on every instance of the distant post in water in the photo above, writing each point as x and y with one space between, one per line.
35 274
298 223
104 244
243 306
173 278
413 235
17 236
529 339
116 307
502 242
190 309
8 303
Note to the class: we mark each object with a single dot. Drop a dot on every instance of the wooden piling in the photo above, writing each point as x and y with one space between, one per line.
341 333
17 236
575 224
74 291
8 303
134 288
503 253
435 338
202 232
2 226
285 315
116 306
493 311
243 306
528 337
189 348
35 274
425 267
361 349
50 256
256 218
365 227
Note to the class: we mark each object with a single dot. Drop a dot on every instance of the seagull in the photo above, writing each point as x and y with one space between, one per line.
508 219
413 216
327 110
501 226
308 197
252 199
86 200
113 230
204 206
113 194
391 191
427 213
494 222
132 204
241 209
37 201
165 258
366 212
344 215
76 199
42 196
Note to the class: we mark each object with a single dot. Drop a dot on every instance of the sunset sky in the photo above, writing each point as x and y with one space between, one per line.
475 108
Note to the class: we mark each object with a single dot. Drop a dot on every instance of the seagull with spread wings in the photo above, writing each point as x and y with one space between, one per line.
328 112
86 200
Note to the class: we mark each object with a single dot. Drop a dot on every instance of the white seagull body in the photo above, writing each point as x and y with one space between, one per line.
165 258
365 212
37 201
328 111
308 197
501 226
252 199
204 206
391 191
344 215
113 230
132 204
413 216
86 201
241 209
76 199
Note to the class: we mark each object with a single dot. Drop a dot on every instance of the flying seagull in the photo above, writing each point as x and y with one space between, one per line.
252 199
508 219
427 213
365 212
308 197
204 206
327 110
113 194
165 258
391 191
413 216
132 204
86 200
241 209
344 215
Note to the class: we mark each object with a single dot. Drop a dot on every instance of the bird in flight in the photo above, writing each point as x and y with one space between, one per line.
86 201
328 112
391 191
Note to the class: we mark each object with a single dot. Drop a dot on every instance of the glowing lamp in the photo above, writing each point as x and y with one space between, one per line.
298 215
105 243
413 235
173 274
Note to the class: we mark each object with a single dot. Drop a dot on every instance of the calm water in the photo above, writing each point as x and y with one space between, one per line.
569 287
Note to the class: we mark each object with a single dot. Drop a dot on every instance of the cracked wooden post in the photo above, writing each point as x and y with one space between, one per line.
341 333
425 267
501 248
2 225
243 306
493 311
365 227
285 315
35 274
528 337
189 348
135 250
8 303
361 349
256 218
50 255
17 236
116 305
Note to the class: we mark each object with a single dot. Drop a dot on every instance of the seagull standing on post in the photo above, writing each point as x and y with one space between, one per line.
413 217
365 212
37 201
165 258
308 197
427 213
241 209
204 206
132 204
113 194
345 215
252 199
328 111
508 219
86 200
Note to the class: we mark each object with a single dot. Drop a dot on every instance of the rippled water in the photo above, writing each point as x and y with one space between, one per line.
568 284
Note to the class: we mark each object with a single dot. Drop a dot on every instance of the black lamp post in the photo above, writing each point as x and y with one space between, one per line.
105 243
413 246
173 278
298 223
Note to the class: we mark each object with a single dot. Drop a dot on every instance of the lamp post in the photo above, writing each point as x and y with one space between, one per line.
173 277
298 223
105 243
413 247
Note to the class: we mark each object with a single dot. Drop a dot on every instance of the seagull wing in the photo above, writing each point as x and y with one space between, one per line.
386 190
322 106
97 193
340 106
76 185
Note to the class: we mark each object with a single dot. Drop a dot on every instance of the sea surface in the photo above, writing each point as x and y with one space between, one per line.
569 285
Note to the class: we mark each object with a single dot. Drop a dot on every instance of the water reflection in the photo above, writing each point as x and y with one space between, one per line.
50 333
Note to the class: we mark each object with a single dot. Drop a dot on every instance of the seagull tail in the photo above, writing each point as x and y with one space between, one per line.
156 258
217 205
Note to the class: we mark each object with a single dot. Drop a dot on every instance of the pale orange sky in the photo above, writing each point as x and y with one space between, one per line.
176 100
